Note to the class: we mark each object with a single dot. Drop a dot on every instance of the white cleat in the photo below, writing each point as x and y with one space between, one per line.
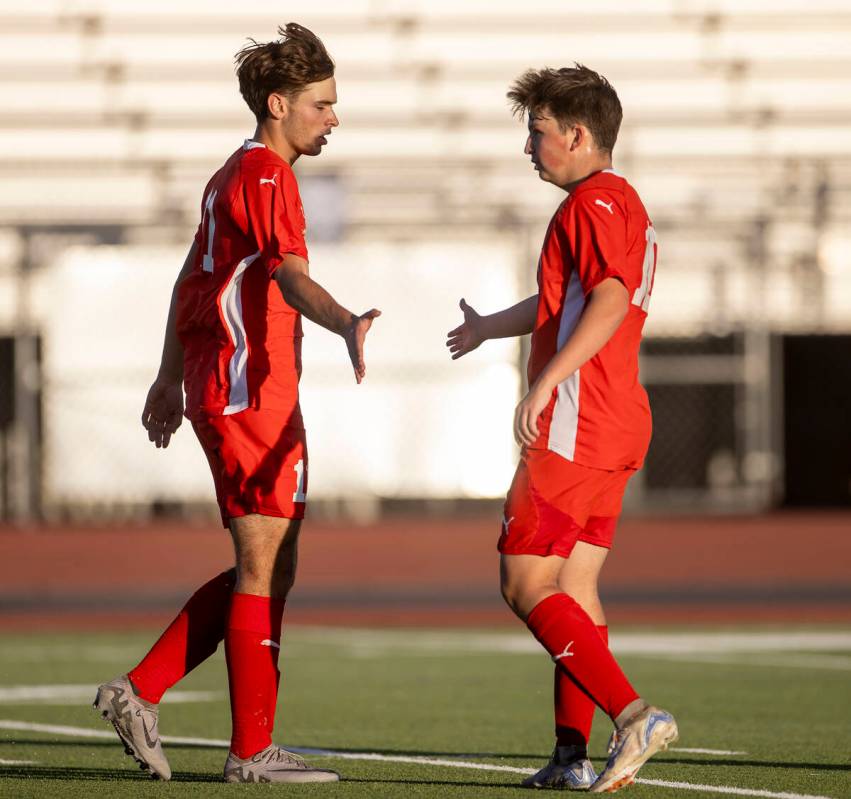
645 734
135 721
275 764
565 771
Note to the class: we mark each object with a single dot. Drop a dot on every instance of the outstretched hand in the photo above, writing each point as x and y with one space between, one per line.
163 411
467 336
354 336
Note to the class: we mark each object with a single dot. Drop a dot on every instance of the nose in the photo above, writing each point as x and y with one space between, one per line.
334 121
528 148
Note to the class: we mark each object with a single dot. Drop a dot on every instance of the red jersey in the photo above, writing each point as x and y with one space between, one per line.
242 342
600 415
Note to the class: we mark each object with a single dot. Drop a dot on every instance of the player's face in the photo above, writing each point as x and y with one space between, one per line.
311 117
549 148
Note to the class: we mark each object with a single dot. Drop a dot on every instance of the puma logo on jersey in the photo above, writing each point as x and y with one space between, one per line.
607 206
565 654
269 180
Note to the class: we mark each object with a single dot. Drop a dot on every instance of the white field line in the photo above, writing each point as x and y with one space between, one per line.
83 653
379 643
17 762
795 660
85 732
75 694
623 643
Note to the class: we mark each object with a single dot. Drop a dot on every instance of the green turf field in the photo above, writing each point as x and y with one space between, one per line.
388 702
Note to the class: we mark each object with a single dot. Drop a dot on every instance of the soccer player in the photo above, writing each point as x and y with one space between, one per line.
584 425
233 339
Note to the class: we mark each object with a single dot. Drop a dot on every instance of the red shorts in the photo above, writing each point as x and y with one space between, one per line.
259 464
553 503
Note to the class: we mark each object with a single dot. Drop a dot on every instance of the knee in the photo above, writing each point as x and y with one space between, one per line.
510 594
583 594
252 569
522 596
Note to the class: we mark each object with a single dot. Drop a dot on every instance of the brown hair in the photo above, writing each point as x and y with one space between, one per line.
571 94
286 66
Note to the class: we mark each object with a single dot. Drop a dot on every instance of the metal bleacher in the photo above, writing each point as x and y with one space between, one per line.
115 113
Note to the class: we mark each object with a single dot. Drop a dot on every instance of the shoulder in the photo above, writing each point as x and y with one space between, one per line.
261 164
603 196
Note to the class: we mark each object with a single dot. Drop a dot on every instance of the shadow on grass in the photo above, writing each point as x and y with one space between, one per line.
113 775
75 773
530 759
462 784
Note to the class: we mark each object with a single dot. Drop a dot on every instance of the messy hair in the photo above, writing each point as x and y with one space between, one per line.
286 66
572 95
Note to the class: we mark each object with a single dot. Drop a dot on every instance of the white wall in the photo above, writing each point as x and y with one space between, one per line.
420 425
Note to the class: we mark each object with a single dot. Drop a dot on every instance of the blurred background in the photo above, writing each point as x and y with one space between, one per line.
737 135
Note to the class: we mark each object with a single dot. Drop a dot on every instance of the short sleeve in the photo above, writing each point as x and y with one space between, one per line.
596 229
275 215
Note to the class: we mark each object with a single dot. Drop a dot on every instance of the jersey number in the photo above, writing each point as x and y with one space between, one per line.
641 298
300 495
210 221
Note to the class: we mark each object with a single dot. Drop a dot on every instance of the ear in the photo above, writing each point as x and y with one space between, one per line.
277 106
578 136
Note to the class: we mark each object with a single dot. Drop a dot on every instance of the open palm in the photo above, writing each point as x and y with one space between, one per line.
355 336
467 336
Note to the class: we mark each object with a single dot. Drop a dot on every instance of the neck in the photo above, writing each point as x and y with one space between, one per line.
274 139
593 166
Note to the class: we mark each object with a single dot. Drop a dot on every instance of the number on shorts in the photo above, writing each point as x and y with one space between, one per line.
299 495
210 221
641 297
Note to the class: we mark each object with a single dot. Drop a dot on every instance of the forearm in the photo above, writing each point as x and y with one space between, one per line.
602 316
518 320
171 362
307 297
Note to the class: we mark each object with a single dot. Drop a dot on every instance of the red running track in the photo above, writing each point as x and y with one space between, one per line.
434 571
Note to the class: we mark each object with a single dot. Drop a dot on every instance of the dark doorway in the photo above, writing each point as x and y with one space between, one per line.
817 420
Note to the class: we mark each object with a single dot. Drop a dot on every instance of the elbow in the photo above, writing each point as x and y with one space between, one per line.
288 284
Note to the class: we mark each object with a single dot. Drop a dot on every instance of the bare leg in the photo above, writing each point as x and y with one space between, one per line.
266 554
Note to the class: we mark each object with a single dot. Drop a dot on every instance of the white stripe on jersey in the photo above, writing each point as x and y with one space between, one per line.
565 421
230 301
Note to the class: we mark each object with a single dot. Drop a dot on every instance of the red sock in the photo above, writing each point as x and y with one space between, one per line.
252 643
574 709
189 640
566 631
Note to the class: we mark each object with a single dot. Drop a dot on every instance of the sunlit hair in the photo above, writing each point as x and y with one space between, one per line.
285 66
572 95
